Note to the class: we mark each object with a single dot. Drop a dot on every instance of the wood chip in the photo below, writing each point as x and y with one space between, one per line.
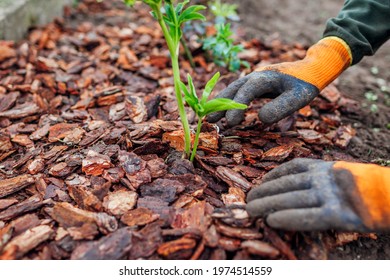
232 178
111 247
260 248
119 202
9 186
27 241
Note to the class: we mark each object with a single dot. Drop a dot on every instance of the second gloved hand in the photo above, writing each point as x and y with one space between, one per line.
292 84
307 194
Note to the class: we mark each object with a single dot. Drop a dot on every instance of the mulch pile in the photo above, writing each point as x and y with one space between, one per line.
90 161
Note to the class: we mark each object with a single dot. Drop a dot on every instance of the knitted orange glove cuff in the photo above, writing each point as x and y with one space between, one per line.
323 63
373 187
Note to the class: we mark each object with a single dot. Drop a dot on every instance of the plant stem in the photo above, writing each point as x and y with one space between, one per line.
196 142
173 49
187 52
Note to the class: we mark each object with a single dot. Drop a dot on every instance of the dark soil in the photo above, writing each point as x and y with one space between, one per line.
304 21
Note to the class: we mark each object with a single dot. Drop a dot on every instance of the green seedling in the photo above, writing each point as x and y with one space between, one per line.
171 18
223 50
203 106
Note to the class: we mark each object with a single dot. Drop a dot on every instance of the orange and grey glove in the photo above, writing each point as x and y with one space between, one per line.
292 84
311 195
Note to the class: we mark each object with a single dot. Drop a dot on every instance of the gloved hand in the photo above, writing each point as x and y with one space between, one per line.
307 194
292 84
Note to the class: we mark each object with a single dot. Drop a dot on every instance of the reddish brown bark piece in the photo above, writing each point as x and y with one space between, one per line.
312 137
5 203
177 249
232 178
111 247
136 109
6 52
95 163
27 241
30 204
242 233
24 223
60 131
260 248
139 217
279 243
12 185
24 110
277 154
146 241
5 143
68 215
119 202
235 196
8 100
84 198
229 244
197 216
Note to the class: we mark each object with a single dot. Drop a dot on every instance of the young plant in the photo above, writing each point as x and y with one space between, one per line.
203 106
171 18
170 22
222 48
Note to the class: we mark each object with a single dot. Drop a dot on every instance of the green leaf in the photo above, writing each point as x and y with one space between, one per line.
209 87
191 13
192 86
221 104
180 6
193 16
190 96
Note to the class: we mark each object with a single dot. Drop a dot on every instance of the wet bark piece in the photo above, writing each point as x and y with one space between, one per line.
9 186
68 215
27 241
232 178
111 247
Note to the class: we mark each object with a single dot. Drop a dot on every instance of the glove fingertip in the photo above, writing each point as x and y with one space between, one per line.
214 117
268 115
252 209
234 117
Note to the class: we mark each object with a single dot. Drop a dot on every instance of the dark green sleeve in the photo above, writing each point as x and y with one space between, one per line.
363 24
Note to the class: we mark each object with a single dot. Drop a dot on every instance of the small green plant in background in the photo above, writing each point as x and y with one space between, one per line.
171 18
223 50
223 11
